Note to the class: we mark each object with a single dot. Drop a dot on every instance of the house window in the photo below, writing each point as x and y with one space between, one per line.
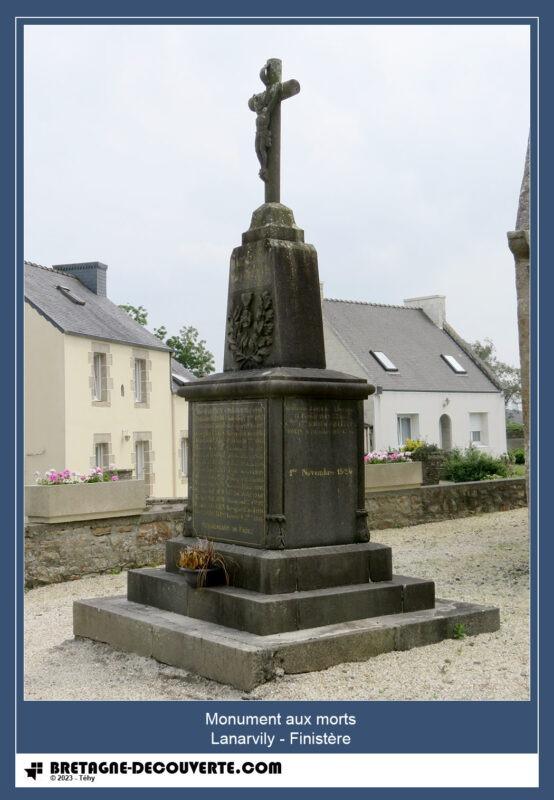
140 380
141 460
185 456
368 438
478 429
407 428
66 291
454 364
100 387
102 454
384 360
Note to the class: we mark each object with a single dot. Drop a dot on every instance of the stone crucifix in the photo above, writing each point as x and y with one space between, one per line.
267 106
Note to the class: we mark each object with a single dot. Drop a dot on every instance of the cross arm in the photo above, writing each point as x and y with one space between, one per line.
289 89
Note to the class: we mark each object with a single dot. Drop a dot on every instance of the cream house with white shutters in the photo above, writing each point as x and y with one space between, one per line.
99 388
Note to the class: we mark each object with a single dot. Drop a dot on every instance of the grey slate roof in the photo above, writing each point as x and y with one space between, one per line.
98 318
185 374
413 343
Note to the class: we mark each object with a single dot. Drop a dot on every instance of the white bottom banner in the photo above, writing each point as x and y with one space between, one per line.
206 770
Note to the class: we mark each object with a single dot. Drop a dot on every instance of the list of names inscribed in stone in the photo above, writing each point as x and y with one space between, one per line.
321 470
228 470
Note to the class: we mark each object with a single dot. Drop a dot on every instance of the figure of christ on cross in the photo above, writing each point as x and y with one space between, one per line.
267 106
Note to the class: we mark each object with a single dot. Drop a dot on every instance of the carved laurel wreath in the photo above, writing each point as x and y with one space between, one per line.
250 329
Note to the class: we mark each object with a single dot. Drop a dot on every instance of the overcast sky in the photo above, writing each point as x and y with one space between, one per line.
402 160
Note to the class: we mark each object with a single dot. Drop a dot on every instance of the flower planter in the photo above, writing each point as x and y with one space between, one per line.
402 475
75 501
214 576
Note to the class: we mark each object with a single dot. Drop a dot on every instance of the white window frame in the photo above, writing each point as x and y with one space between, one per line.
141 450
102 454
384 361
184 456
478 435
368 438
454 364
400 419
100 383
140 380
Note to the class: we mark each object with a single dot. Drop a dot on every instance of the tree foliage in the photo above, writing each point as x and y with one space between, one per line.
188 348
160 333
507 376
138 313
191 351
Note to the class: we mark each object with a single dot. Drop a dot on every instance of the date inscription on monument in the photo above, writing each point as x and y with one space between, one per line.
229 470
321 471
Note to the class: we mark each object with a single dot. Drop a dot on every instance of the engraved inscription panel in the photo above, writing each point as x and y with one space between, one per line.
321 471
229 470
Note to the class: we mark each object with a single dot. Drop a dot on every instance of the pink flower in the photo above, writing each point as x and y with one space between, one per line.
115 478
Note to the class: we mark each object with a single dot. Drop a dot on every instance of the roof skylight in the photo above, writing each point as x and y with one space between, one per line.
384 360
454 365
66 291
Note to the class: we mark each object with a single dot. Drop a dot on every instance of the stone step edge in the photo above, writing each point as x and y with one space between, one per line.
289 552
244 660
160 573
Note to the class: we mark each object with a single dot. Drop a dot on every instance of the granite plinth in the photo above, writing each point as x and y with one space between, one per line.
265 614
245 660
276 458
274 306
292 570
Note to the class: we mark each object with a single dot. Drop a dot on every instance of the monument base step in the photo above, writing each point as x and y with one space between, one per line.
296 569
265 614
245 660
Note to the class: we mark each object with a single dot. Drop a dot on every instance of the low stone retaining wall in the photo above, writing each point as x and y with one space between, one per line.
397 509
66 551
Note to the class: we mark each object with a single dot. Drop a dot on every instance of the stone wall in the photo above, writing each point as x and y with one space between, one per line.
67 551
70 550
396 509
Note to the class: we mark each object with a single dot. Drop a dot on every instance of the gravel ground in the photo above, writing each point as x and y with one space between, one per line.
480 559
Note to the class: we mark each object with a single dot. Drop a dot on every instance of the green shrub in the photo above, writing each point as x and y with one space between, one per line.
412 444
517 471
514 428
472 465
518 455
421 452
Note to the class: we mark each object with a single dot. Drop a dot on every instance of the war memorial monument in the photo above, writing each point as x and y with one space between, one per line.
276 480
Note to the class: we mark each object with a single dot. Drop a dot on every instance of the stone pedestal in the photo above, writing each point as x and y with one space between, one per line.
276 479
276 458
274 306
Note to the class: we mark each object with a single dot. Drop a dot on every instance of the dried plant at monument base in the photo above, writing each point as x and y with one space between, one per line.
250 329
202 565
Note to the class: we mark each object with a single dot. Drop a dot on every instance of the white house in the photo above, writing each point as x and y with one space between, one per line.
100 389
429 383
